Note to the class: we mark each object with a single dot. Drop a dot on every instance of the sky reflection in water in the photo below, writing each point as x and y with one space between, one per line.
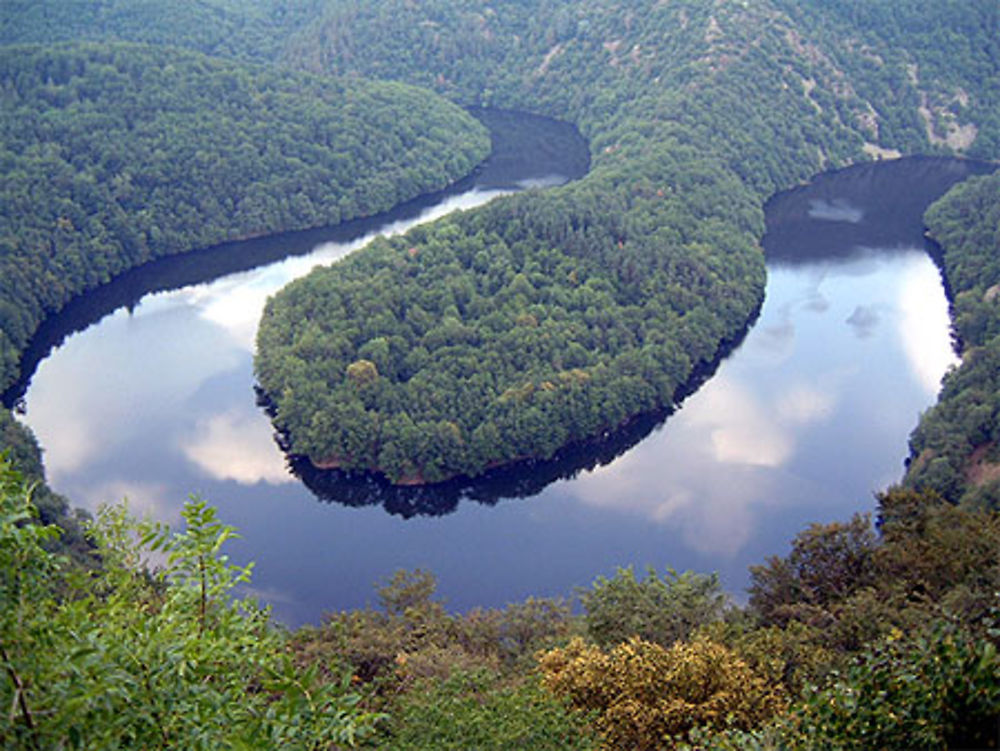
802 424
775 427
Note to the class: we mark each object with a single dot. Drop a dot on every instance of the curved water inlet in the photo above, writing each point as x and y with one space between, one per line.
768 444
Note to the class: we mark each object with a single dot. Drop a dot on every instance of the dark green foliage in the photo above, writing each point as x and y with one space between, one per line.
242 29
19 447
937 690
114 155
657 609
954 448
966 223
937 560
828 563
931 560
500 334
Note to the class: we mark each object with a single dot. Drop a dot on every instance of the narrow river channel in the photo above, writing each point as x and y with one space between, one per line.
802 423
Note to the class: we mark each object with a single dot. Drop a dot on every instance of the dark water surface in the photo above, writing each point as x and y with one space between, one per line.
802 423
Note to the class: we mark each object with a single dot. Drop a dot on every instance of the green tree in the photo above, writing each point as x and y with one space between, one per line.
129 656
660 609
827 564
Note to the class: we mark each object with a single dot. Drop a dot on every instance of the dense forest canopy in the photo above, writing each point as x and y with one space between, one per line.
468 344
117 154
605 295
859 637
954 449
235 29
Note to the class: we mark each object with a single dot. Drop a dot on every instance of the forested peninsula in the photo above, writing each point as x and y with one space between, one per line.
555 317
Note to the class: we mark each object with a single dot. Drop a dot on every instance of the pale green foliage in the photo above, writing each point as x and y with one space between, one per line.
408 591
133 658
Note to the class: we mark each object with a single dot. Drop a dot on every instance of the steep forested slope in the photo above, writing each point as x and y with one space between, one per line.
114 155
954 449
240 29
696 113
939 61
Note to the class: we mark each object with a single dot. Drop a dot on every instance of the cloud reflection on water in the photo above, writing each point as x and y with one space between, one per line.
714 514
804 403
144 499
740 428
864 320
237 445
715 463
837 210
924 324
72 429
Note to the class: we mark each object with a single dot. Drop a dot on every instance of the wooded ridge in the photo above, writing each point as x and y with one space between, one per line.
117 154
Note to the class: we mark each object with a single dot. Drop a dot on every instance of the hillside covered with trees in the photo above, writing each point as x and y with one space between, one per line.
954 449
248 30
862 636
115 155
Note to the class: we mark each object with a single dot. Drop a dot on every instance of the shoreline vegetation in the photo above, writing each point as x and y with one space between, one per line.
866 634
119 154
954 448
634 426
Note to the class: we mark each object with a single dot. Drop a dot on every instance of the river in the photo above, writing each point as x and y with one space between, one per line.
803 422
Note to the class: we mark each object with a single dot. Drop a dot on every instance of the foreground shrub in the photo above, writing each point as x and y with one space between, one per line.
645 696
469 711
128 657
412 637
940 690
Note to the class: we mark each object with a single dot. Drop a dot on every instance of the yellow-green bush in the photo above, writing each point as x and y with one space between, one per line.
644 696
